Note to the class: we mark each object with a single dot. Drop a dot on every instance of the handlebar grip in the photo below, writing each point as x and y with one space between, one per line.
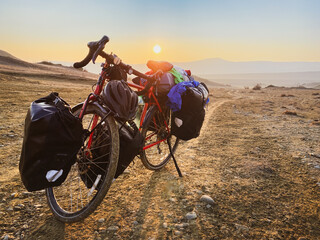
86 60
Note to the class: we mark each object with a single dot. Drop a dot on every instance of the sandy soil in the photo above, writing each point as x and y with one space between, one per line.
258 158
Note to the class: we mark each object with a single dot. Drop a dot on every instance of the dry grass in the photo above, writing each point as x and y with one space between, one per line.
253 160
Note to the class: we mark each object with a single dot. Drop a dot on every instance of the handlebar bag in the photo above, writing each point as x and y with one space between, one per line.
187 122
52 138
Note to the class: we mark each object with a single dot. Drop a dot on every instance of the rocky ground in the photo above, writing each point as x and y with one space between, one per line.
252 174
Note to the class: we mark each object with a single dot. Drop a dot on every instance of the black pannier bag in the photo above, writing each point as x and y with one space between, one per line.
52 138
187 122
131 143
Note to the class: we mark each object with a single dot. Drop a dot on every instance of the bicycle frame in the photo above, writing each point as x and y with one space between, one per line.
150 94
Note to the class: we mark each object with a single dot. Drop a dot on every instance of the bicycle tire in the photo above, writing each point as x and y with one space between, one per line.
154 158
60 199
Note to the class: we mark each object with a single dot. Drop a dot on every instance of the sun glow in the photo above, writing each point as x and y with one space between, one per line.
157 49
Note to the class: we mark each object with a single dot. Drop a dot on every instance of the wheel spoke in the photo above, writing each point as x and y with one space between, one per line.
90 177
156 131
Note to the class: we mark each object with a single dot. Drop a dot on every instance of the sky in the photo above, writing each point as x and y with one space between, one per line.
186 30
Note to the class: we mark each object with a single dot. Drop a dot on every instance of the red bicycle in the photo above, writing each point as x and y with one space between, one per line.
97 160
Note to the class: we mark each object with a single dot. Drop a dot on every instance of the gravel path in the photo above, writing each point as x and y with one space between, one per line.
252 174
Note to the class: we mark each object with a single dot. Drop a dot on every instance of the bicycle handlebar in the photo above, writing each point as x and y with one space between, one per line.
96 49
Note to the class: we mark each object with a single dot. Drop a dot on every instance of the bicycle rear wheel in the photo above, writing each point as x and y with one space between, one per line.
156 137
91 176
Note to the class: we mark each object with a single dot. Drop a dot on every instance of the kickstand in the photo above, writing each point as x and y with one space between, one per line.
174 159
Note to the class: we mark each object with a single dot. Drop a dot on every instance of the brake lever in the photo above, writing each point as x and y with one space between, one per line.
97 52
102 43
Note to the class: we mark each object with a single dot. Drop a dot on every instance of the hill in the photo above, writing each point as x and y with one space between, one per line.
315 85
210 84
14 66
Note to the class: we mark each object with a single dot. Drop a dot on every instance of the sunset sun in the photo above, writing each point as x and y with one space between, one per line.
157 49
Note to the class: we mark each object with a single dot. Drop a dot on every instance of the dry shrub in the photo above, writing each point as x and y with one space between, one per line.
257 87
316 122
289 95
290 113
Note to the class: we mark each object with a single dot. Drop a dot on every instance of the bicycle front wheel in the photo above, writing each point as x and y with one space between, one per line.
91 176
154 130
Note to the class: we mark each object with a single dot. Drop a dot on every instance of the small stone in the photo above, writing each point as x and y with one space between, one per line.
185 225
102 230
1 145
26 194
179 226
165 225
113 228
18 207
14 195
191 215
207 199
38 206
241 228
199 191
25 226
135 223
177 233
172 200
101 220
317 166
9 209
208 206
6 237
315 155
318 183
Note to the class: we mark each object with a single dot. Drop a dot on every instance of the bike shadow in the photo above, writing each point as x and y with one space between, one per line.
50 229
160 188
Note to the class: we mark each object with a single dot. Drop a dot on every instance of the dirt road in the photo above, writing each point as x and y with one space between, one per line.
255 158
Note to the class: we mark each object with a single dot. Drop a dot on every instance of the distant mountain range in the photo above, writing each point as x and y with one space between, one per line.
250 73
219 72
220 66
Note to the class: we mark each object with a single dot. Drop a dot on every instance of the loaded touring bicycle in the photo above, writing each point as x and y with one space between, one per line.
104 138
